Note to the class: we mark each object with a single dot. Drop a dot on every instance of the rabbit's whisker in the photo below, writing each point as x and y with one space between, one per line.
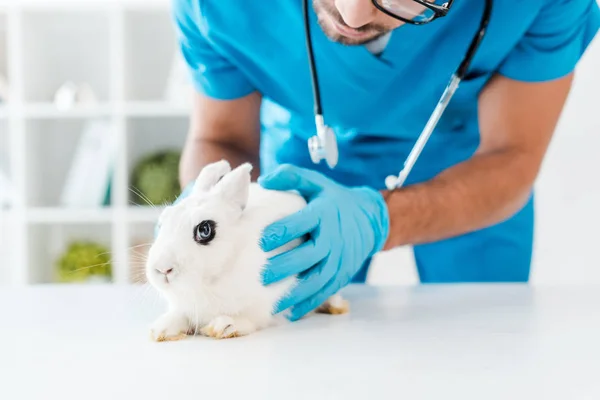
89 266
140 245
142 196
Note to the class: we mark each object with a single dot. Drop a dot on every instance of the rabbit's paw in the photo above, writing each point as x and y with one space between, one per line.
224 327
169 327
334 305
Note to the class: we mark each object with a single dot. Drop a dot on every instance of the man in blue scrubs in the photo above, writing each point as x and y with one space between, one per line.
467 207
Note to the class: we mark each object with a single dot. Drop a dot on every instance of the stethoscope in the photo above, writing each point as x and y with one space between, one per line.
323 145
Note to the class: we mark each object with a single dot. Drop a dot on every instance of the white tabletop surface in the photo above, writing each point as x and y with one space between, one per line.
424 342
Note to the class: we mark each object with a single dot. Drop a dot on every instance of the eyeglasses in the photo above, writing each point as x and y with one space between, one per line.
415 12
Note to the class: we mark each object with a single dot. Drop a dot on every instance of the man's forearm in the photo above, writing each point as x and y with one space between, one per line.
477 193
199 152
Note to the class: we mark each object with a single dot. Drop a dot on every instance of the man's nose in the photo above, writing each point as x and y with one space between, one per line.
356 13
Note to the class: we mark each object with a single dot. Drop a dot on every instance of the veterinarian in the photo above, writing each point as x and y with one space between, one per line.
467 207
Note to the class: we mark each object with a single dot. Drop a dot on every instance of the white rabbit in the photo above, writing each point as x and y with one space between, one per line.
206 259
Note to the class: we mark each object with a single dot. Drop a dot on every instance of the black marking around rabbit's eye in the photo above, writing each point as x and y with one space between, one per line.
204 232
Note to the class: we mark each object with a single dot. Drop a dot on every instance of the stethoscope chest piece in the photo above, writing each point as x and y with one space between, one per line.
323 145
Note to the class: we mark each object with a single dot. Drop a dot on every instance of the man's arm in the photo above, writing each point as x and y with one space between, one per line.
220 129
517 121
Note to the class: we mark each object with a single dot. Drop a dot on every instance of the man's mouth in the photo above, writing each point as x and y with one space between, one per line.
347 31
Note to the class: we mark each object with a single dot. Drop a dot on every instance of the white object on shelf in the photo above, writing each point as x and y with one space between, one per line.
65 96
70 95
86 95
90 173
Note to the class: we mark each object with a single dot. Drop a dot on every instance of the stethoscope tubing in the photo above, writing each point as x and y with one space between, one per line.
394 182
318 110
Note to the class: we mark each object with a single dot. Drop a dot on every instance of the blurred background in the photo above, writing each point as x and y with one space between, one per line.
94 106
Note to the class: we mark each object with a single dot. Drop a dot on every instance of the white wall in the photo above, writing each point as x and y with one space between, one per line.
567 246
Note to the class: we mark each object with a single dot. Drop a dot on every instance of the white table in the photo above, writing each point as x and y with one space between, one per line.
435 342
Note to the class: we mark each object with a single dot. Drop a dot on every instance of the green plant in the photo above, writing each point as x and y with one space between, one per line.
82 261
156 177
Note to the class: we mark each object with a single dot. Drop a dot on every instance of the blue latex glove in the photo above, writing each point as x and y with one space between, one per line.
346 226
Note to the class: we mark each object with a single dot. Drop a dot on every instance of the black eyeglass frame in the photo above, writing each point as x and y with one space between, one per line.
439 11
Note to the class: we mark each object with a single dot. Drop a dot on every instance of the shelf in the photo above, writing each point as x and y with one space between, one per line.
75 47
4 78
53 215
142 50
147 137
53 148
49 242
8 195
134 109
140 238
126 50
84 4
49 110
144 214
155 109
7 246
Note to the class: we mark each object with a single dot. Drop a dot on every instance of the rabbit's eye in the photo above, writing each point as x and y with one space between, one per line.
204 232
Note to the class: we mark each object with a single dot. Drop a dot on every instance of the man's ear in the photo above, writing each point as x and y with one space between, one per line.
234 187
210 175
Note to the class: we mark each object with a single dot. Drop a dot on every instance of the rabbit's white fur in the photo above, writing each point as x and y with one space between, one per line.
215 289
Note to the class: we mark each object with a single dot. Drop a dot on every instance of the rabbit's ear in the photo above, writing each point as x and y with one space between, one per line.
235 185
210 175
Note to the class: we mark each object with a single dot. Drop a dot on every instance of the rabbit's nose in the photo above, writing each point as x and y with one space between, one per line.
165 272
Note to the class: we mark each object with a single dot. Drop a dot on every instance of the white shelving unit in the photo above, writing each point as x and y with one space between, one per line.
124 50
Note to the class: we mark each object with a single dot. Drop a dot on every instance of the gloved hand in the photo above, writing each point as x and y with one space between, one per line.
346 227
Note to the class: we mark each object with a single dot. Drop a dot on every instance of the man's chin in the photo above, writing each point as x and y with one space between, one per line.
348 41
336 36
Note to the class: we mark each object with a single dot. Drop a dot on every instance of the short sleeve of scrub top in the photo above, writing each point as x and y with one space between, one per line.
555 41
211 73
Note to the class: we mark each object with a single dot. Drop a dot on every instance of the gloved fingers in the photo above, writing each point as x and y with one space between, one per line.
293 261
314 280
309 304
290 227
289 177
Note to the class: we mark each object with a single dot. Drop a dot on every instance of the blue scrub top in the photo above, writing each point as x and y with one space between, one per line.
377 106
